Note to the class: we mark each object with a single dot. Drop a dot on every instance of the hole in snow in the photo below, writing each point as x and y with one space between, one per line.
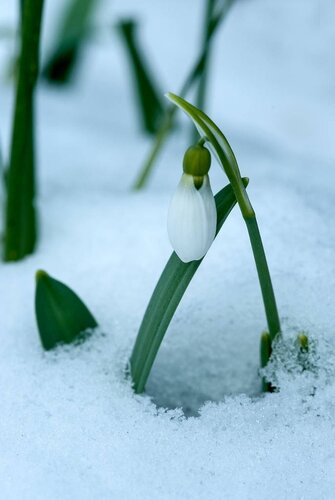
200 361
197 368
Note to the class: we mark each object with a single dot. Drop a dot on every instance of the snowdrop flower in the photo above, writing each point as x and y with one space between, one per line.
192 214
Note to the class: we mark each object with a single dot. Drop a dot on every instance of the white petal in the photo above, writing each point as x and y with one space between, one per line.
192 219
210 208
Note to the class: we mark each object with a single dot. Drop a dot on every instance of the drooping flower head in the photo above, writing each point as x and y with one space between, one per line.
192 214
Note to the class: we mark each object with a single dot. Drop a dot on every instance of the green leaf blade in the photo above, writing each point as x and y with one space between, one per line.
61 315
165 299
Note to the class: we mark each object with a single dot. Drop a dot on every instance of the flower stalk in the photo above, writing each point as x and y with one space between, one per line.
221 148
264 277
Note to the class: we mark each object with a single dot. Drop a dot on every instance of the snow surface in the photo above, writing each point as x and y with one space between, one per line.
70 425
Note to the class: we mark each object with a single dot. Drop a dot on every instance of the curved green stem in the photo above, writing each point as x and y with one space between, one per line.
264 277
202 141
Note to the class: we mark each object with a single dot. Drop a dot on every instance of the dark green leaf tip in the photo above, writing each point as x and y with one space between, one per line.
40 274
61 315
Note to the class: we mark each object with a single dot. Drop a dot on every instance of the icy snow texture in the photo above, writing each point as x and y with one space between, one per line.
70 425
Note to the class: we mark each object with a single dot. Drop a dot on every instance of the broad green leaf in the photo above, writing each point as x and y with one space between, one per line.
149 103
61 315
74 28
165 299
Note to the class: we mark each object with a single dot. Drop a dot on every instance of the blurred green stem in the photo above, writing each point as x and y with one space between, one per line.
202 86
201 91
160 138
74 28
20 221
195 73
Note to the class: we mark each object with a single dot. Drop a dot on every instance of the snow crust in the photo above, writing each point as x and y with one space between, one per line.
70 425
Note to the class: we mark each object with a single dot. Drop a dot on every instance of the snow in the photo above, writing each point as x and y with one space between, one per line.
70 425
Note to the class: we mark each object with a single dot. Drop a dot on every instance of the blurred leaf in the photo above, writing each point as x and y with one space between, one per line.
73 31
61 315
215 12
169 291
149 102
